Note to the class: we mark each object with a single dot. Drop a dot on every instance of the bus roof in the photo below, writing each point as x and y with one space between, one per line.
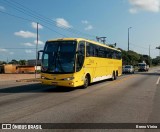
82 39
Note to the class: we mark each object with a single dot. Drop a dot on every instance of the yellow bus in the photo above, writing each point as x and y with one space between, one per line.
73 62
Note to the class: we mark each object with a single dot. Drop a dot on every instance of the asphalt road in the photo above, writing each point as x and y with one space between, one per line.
133 98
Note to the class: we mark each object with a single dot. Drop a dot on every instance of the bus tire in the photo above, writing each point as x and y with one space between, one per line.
114 77
116 73
86 81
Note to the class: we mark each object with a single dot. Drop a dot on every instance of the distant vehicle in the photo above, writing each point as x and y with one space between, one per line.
143 67
128 69
73 62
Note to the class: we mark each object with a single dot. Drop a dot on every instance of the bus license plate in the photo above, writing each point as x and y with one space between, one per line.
54 83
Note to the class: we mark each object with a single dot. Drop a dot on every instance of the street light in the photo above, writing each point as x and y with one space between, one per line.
128 37
159 50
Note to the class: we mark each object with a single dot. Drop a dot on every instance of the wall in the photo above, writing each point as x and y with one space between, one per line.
25 69
9 68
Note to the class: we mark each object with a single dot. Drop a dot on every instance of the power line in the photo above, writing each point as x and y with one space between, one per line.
46 18
9 14
54 30
19 7
29 20
137 46
20 48
11 4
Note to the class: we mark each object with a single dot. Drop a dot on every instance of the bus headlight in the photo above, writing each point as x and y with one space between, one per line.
42 77
69 78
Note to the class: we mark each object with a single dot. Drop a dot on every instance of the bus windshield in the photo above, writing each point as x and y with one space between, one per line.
127 66
59 57
142 64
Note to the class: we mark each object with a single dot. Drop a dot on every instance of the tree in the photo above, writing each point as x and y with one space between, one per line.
125 58
13 62
22 62
134 57
2 62
130 58
147 59
156 61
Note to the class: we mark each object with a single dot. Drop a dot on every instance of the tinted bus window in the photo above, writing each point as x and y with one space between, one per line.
101 52
89 50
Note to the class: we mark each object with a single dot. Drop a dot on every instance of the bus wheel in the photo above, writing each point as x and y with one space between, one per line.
114 77
86 82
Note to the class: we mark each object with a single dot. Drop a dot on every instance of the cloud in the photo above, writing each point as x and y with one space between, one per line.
28 44
11 53
62 23
33 44
29 51
25 34
146 5
87 24
133 10
84 21
2 8
89 27
3 50
39 42
34 25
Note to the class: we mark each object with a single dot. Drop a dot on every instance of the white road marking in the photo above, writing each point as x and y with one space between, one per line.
158 81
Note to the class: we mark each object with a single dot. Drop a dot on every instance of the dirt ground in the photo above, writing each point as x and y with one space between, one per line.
12 77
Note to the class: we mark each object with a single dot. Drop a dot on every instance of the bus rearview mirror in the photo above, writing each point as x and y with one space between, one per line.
39 54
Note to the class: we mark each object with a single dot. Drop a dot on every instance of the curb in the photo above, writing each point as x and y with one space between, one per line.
28 80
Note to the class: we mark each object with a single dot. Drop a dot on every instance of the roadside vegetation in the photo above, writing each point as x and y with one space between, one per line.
16 62
133 58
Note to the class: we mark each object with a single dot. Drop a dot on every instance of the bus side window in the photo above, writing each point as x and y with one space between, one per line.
96 51
87 49
109 53
119 55
81 48
101 52
91 49
113 54
106 53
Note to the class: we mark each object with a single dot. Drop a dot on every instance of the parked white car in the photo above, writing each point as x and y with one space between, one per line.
128 69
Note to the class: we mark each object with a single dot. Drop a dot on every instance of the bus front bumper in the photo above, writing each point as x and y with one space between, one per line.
58 83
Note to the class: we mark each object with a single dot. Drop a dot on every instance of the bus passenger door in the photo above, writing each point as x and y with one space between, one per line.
80 56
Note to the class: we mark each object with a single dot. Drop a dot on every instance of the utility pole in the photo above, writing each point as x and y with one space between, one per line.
149 51
128 37
36 53
150 61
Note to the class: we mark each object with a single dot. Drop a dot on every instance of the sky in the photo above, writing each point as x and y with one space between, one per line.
77 18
